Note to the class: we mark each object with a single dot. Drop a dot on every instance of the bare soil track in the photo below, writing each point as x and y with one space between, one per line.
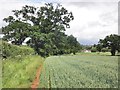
36 81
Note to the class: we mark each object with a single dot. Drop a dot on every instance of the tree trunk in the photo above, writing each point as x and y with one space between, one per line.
113 50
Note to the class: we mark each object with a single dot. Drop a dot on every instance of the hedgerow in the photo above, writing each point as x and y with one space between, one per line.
9 50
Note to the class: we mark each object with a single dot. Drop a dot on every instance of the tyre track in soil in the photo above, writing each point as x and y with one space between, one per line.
36 81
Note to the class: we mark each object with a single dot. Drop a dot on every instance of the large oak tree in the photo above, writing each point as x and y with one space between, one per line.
44 25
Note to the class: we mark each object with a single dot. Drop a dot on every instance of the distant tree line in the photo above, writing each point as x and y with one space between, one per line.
110 43
45 26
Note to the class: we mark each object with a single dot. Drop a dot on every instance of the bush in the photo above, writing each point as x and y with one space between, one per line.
105 50
93 49
9 50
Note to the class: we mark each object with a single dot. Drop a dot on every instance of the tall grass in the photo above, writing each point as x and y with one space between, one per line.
20 73
19 69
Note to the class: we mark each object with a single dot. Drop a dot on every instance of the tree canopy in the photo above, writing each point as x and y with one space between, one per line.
45 26
112 42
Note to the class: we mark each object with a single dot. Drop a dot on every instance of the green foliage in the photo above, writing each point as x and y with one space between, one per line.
17 31
9 50
105 50
99 47
86 47
45 26
20 73
73 44
80 71
93 49
112 42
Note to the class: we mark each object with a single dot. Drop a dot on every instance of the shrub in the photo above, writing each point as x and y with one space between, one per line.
93 49
105 50
10 50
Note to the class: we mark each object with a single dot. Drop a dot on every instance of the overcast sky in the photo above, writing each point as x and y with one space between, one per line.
94 19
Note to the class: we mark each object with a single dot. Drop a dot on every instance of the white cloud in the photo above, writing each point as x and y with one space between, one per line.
93 21
88 0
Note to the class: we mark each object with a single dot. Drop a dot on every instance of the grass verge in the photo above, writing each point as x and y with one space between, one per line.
19 72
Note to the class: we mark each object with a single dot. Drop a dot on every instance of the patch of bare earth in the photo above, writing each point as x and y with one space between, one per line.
36 81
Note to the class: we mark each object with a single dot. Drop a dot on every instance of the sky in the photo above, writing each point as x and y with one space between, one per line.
93 19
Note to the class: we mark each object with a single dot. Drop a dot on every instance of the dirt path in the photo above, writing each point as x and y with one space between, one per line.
36 82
